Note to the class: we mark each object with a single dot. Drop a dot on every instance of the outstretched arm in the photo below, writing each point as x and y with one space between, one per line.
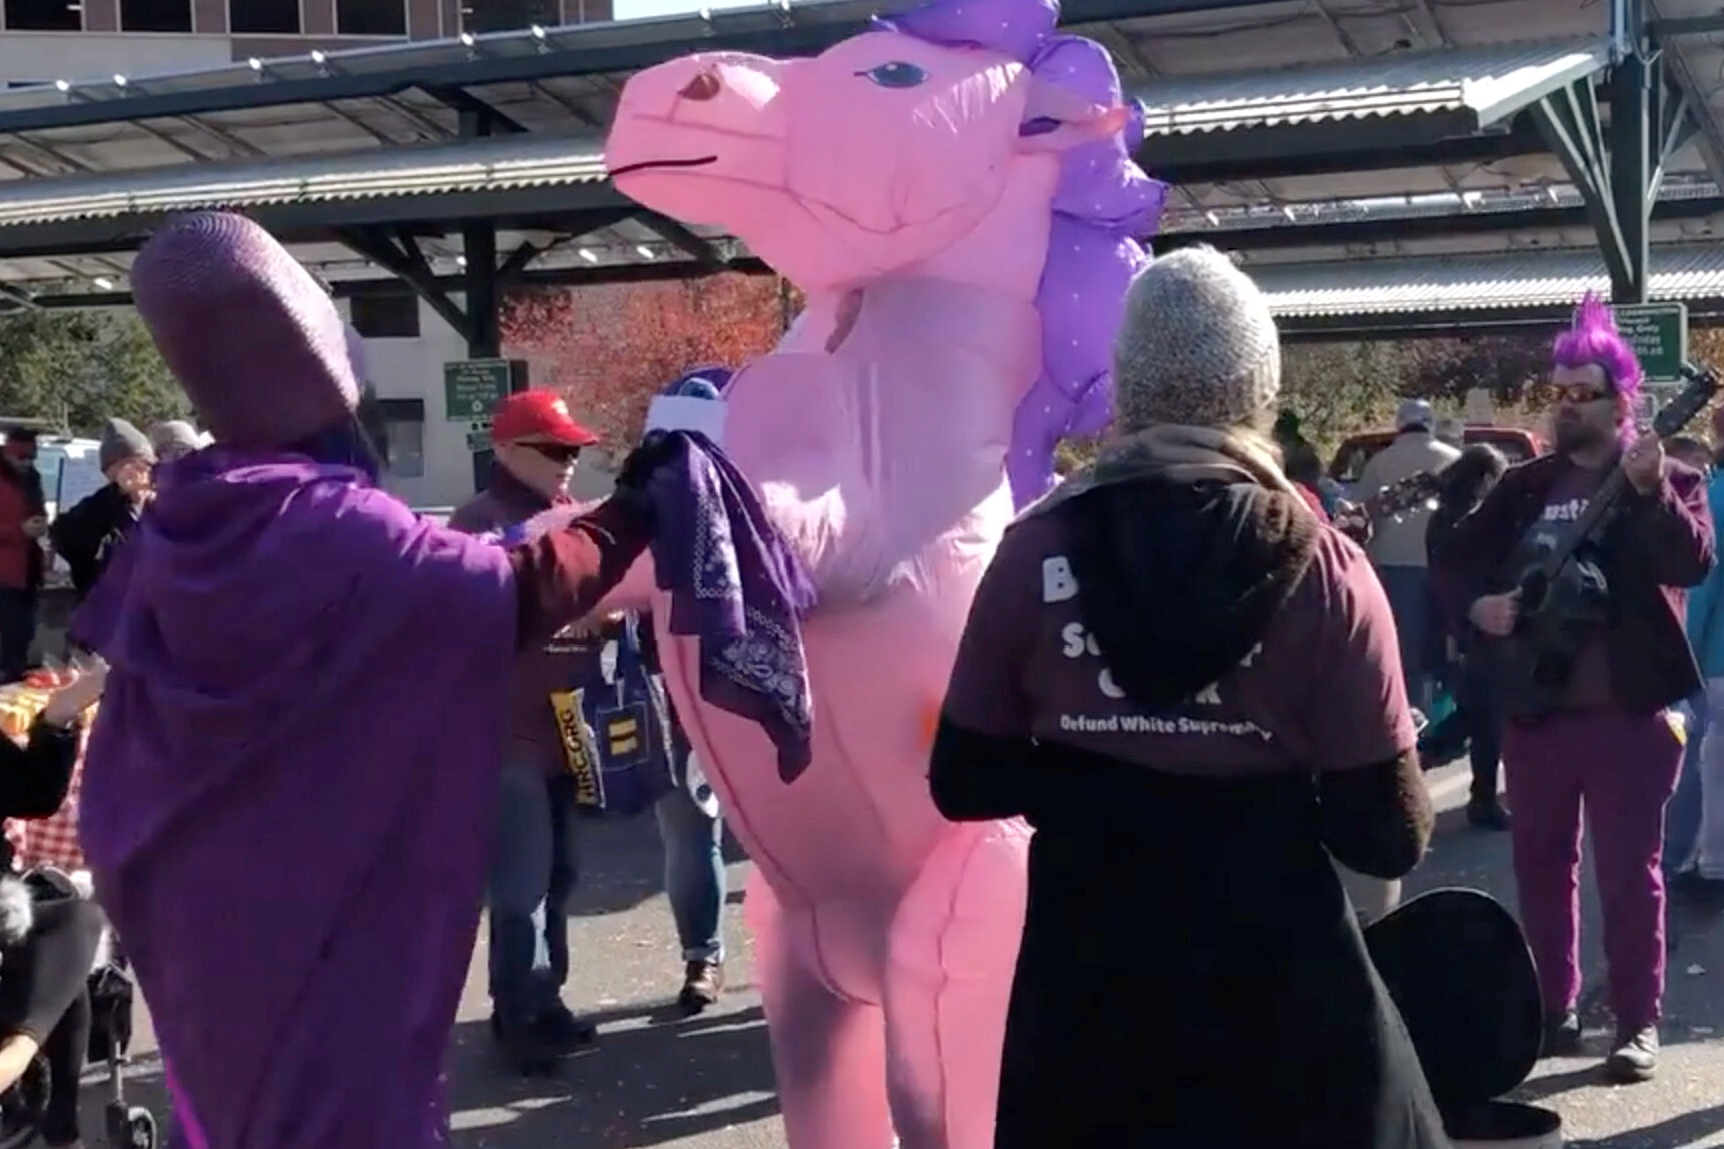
562 575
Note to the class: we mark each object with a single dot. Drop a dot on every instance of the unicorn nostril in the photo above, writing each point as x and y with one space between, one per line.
703 87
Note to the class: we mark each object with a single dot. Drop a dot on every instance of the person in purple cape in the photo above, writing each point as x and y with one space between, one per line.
302 717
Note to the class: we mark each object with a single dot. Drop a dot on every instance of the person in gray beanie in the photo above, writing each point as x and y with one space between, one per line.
1138 679
87 534
1397 546
175 439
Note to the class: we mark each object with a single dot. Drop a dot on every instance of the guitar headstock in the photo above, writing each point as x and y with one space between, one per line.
1703 384
1410 492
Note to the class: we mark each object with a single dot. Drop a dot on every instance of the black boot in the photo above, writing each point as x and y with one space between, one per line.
523 1048
1485 812
1561 1036
560 1030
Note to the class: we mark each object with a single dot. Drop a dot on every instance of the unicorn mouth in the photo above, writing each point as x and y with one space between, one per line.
650 165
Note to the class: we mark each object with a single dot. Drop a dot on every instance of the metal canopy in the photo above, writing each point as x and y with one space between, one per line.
781 28
1283 126
1409 295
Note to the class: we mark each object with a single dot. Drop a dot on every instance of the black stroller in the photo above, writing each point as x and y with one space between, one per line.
111 999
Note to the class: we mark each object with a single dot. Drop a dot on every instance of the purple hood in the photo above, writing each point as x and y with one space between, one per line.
283 800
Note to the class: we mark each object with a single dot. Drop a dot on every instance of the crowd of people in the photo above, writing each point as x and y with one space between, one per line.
285 655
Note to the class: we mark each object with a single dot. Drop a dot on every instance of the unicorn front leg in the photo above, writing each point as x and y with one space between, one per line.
954 947
828 1051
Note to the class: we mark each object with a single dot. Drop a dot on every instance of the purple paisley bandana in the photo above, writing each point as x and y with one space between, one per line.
736 586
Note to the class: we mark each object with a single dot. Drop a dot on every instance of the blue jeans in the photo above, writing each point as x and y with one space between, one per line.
532 879
1682 814
694 876
1409 592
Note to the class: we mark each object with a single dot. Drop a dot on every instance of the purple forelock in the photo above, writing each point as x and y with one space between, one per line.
1013 28
1103 205
1593 340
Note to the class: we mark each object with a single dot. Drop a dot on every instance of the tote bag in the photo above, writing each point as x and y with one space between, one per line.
616 736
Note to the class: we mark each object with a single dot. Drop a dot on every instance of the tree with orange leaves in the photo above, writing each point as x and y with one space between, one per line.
610 348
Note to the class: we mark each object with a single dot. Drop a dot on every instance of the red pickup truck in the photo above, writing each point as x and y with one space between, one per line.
1516 443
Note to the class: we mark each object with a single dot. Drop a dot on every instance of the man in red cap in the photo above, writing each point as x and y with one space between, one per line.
536 442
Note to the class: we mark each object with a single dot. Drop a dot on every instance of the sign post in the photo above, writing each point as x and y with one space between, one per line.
1658 332
473 387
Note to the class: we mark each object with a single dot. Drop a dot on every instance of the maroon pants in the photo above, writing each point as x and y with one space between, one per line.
1622 768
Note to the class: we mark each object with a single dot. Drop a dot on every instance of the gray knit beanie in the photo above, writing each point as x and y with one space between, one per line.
1197 346
122 441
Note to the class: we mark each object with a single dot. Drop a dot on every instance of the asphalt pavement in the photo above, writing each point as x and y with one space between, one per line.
654 1079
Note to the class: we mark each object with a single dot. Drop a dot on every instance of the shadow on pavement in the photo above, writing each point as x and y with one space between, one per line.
622 864
1678 1132
640 1085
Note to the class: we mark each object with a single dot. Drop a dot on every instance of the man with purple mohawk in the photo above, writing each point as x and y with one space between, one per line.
301 719
1613 745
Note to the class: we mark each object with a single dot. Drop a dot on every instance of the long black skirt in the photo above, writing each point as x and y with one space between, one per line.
1192 977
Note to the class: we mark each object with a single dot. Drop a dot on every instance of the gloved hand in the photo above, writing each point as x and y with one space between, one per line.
636 473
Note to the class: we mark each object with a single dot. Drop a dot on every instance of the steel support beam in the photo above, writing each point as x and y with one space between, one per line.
1572 126
462 101
1392 231
1632 168
678 236
1620 170
1332 148
479 246
399 255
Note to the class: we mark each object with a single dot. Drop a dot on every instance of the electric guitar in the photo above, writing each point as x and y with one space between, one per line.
1358 520
1563 603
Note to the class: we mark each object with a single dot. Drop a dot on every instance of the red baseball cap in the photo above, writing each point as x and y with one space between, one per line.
538 414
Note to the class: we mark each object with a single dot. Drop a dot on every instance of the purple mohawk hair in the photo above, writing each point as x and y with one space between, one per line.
1593 340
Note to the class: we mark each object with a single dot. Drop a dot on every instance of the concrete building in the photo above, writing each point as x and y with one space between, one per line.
43 41
48 40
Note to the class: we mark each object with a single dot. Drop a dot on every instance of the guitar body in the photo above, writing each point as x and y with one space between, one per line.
1560 614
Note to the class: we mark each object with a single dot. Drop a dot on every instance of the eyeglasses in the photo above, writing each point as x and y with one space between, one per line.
555 452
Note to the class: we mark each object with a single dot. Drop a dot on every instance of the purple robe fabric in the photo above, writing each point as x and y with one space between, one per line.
287 794
735 584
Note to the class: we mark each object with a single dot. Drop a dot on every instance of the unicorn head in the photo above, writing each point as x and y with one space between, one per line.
1593 340
962 140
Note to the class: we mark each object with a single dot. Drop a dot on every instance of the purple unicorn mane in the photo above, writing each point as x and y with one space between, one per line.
1593 340
1103 204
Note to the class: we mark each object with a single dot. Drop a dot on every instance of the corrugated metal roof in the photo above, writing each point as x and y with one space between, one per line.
499 164
1491 82
1476 282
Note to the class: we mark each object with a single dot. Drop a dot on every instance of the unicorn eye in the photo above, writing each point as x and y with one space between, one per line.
896 74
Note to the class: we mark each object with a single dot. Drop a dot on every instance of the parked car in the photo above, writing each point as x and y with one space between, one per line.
1516 443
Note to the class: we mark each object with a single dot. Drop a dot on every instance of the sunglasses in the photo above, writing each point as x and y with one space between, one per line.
1575 394
555 452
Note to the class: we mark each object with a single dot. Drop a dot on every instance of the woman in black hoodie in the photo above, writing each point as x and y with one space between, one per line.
1477 721
1191 688
87 534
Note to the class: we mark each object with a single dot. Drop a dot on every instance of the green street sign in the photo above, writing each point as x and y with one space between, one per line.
478 439
1658 332
472 387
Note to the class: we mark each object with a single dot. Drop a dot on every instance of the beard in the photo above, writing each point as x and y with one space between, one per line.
1579 434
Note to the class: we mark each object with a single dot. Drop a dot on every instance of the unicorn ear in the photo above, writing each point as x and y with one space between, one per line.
1069 119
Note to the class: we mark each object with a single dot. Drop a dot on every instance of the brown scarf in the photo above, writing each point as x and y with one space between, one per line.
1177 452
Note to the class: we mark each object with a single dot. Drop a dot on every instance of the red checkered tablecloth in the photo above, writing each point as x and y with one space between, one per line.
53 841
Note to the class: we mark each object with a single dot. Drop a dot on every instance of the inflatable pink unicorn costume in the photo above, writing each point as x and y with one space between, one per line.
953 192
